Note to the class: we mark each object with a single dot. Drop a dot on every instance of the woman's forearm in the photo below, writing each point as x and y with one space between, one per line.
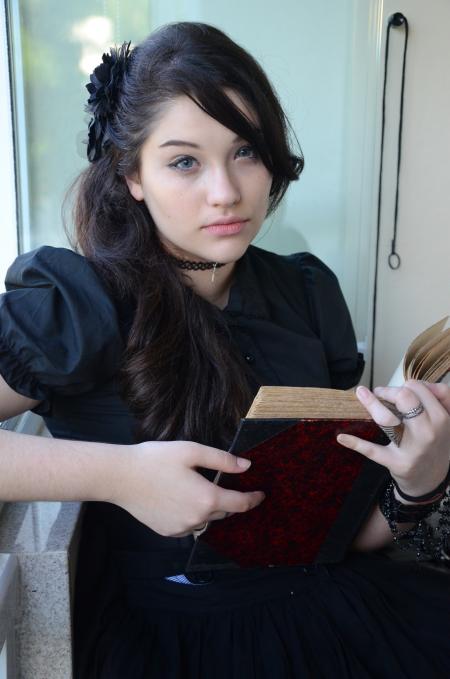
38 468
374 534
157 482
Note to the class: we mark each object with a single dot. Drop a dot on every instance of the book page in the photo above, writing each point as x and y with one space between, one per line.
306 402
425 338
427 357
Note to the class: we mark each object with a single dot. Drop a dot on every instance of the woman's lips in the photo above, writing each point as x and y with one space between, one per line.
226 229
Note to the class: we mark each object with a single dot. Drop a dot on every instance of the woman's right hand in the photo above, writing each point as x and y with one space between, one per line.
420 462
442 393
158 483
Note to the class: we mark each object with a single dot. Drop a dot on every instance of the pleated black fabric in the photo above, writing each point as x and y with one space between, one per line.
368 618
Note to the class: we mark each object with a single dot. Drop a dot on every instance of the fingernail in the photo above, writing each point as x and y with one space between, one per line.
244 464
363 392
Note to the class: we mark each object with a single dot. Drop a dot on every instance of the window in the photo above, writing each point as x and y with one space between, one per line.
55 47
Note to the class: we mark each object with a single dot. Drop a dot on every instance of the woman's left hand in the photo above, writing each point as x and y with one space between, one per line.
421 461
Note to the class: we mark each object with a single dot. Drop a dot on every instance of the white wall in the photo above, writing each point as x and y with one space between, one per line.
418 293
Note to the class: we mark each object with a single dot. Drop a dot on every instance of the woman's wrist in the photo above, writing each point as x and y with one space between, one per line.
114 464
396 511
434 494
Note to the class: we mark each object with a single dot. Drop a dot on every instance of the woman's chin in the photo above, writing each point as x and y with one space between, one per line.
228 253
220 249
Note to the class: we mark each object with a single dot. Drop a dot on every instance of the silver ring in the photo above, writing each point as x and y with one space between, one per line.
413 412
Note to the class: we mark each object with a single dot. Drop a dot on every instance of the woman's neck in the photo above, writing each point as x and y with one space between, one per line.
213 284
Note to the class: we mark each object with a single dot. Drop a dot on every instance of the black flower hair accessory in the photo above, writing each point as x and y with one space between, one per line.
104 88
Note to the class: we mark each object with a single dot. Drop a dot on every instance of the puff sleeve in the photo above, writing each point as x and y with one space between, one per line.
59 330
332 321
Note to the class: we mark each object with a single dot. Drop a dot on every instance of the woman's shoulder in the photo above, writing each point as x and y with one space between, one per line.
59 327
258 254
54 263
303 276
62 281
302 265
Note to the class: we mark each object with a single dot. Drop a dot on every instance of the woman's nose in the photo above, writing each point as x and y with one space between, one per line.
222 188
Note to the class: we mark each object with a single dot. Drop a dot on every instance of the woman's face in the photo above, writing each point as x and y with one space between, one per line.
205 188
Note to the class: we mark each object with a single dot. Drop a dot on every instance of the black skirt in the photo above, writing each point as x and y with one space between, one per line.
368 617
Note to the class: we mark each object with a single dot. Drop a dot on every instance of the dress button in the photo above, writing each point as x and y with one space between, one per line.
249 358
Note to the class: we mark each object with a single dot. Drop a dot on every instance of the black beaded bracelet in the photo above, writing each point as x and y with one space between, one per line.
431 496
396 512
428 540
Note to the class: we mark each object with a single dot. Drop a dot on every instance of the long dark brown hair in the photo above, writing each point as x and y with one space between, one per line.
182 377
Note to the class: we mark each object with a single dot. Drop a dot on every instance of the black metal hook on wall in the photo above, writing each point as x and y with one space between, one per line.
396 20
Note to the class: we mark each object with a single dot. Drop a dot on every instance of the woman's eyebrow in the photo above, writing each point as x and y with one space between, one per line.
181 142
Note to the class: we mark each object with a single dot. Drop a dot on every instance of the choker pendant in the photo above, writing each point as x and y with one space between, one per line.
214 272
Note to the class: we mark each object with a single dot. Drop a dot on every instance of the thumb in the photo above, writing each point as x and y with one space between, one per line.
221 460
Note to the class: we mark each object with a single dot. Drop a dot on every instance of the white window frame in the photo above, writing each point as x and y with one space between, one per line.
9 197
8 194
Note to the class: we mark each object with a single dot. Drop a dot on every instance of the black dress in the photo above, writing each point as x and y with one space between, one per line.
61 341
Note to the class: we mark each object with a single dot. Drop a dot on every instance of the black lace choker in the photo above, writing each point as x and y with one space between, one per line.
195 266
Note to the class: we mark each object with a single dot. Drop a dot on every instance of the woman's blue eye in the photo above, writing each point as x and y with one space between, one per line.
246 152
185 163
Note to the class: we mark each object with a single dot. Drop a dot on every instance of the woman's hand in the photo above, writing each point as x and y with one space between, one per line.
421 461
158 483
442 393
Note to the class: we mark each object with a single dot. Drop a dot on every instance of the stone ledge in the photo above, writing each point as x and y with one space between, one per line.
42 538
9 604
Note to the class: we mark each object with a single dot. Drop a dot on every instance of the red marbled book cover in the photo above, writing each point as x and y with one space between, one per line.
317 495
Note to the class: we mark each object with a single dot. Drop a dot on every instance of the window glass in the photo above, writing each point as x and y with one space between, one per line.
56 46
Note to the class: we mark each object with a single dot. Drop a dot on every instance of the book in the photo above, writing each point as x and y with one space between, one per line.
318 493
427 357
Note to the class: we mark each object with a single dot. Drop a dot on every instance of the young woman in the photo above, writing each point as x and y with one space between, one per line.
143 352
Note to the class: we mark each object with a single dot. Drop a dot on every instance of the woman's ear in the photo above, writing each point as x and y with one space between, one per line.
135 186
